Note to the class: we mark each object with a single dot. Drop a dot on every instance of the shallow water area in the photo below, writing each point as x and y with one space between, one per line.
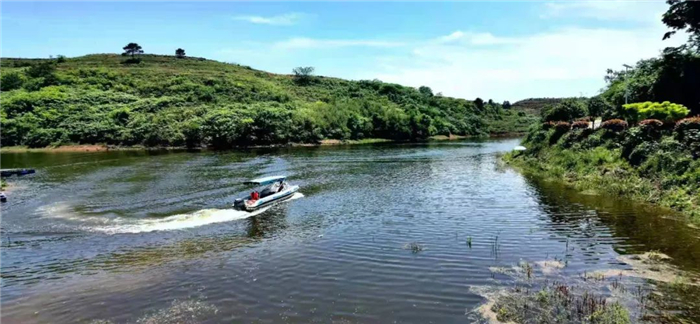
382 232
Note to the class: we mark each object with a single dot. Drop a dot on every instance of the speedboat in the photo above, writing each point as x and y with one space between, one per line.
270 190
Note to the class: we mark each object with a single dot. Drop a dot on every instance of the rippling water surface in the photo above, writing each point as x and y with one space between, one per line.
127 236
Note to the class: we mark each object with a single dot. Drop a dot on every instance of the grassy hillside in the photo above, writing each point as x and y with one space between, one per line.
169 101
535 105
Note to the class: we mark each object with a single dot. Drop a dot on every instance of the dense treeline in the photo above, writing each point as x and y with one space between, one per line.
180 101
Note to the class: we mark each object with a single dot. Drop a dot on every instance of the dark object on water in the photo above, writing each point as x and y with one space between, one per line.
19 172
3 197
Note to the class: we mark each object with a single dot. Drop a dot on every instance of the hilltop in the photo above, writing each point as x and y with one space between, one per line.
536 105
167 101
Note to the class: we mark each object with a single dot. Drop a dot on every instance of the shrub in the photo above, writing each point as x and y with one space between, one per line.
651 123
640 153
560 128
651 128
581 124
688 132
665 111
11 81
303 75
566 110
615 125
685 124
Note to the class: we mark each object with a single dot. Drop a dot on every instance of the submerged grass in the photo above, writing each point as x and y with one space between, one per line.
557 302
543 293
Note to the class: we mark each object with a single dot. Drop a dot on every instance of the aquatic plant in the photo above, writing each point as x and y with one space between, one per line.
558 302
469 242
414 247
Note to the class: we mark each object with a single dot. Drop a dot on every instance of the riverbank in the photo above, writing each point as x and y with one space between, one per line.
635 163
327 142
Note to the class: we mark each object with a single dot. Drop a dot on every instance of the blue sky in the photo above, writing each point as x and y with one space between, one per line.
500 50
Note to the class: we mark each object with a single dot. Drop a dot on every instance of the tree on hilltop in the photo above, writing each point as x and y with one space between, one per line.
132 49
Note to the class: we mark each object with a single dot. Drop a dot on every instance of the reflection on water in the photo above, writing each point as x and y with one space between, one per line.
123 236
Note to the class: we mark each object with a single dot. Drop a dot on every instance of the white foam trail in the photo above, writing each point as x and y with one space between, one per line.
176 222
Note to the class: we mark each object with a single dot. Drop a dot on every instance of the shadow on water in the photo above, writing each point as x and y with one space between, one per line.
635 227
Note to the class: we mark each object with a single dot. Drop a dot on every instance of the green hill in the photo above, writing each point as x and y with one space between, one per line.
535 105
169 101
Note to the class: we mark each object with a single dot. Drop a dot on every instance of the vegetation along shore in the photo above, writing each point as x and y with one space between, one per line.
177 101
646 150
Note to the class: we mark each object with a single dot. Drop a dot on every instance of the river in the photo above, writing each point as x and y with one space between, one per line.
379 233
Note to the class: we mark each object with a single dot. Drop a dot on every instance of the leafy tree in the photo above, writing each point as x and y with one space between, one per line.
303 74
425 91
566 110
11 81
490 102
479 103
132 49
60 58
506 105
180 53
597 106
682 15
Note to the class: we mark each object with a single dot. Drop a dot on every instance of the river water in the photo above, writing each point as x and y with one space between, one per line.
379 233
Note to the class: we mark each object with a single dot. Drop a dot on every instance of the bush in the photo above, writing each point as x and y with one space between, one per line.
562 126
651 128
11 81
566 110
651 123
615 125
686 124
688 132
303 75
580 124
665 111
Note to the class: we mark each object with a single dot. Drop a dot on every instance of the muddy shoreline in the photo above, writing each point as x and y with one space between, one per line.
327 142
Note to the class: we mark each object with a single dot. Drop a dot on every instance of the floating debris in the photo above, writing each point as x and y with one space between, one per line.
414 247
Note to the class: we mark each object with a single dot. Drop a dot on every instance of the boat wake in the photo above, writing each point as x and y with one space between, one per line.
182 221
174 222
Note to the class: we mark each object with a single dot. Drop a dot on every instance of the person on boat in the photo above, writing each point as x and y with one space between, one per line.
272 189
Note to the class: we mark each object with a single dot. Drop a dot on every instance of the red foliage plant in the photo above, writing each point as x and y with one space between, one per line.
580 124
651 123
615 125
562 126
689 123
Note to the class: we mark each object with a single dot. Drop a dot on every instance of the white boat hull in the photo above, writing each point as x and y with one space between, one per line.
249 205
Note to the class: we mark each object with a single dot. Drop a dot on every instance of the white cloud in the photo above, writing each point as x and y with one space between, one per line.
564 62
561 61
473 38
285 19
639 11
304 43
